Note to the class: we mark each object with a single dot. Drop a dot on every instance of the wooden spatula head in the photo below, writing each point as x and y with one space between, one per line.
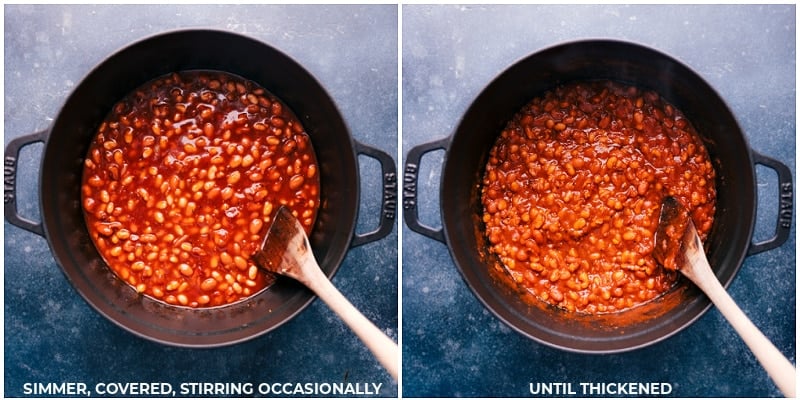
285 246
674 235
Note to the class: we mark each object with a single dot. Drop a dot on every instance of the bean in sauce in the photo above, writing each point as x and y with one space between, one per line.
572 192
183 178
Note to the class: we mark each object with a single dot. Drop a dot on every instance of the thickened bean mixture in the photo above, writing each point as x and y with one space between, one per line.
572 194
183 179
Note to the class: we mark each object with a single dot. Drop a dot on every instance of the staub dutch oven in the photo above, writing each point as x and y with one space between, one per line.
466 150
66 143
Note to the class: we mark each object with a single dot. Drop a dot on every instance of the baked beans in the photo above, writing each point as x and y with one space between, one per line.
572 193
183 178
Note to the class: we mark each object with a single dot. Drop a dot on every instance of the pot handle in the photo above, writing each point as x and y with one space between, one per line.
389 203
786 200
10 181
410 180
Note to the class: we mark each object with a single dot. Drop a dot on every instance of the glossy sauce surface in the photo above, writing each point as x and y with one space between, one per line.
183 179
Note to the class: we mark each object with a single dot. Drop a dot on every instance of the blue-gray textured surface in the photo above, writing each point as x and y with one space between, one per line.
451 345
52 335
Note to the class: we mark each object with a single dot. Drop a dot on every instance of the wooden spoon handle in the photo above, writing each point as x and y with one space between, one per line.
384 349
778 367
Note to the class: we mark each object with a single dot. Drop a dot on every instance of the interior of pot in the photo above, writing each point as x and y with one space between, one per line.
465 161
88 105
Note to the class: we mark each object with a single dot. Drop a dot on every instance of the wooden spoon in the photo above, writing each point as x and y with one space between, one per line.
286 251
677 246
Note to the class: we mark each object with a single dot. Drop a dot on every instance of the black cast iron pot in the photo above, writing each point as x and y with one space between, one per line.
66 144
465 158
